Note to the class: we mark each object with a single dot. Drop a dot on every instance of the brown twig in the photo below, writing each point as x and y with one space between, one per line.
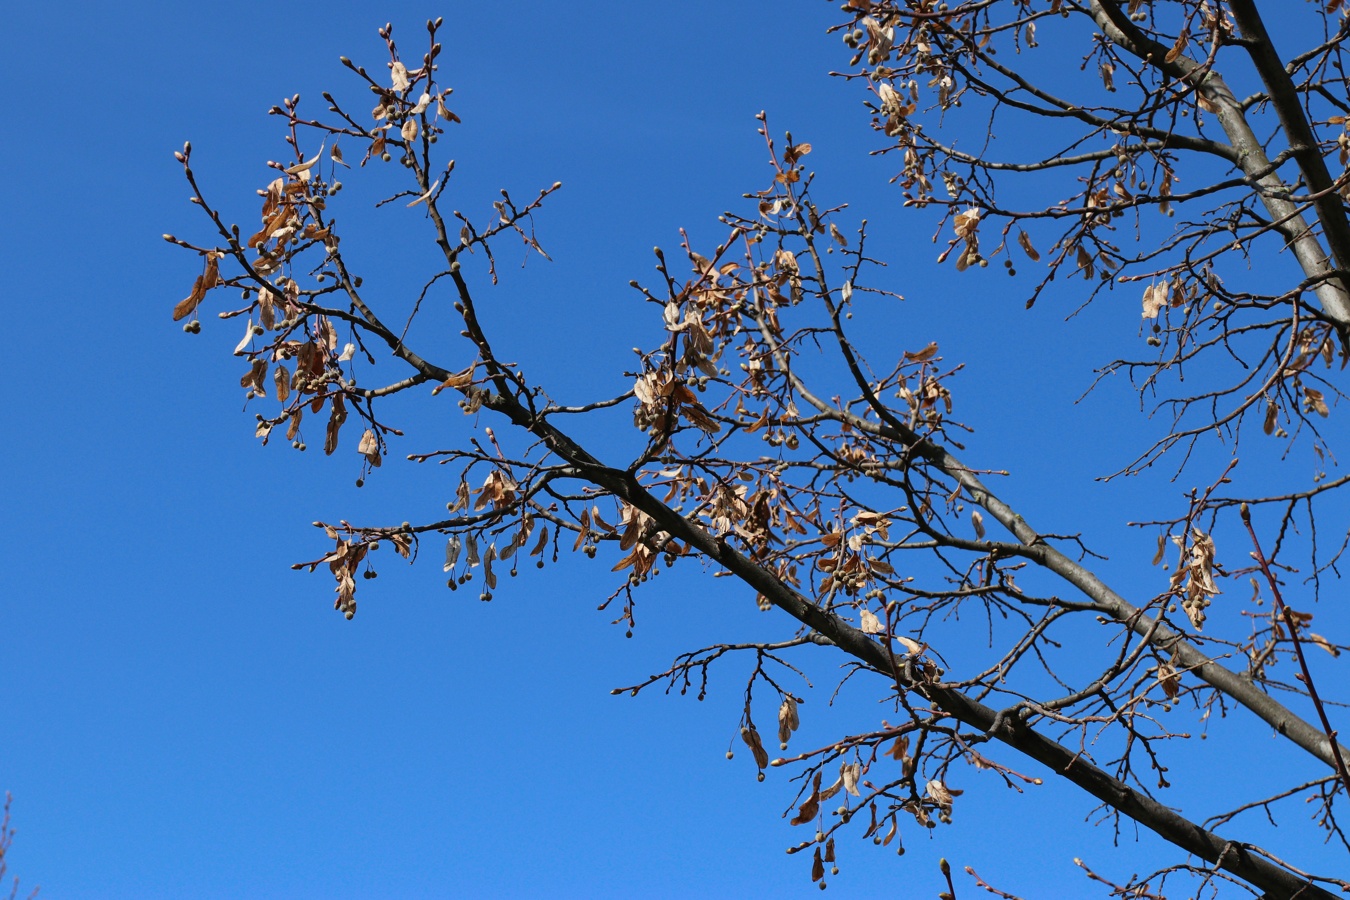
1283 609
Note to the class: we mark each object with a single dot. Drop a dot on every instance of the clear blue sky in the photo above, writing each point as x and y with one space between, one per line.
183 716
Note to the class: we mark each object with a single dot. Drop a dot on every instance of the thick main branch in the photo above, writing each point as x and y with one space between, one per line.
1233 857
1251 155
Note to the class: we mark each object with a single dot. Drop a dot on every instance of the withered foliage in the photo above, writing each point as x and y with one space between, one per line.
825 483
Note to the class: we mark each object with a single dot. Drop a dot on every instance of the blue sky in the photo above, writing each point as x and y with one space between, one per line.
185 716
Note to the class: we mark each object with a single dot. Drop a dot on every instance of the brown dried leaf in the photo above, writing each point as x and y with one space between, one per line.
337 415
190 302
540 542
1085 261
795 152
1024 240
1178 47
809 810
870 624
1170 681
966 223
209 278
369 447
599 522
788 721
923 355
1323 643
457 381
751 738
850 774
940 794
427 196
910 644
256 376
1155 299
375 150
302 167
443 111
490 577
282 378
1313 400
